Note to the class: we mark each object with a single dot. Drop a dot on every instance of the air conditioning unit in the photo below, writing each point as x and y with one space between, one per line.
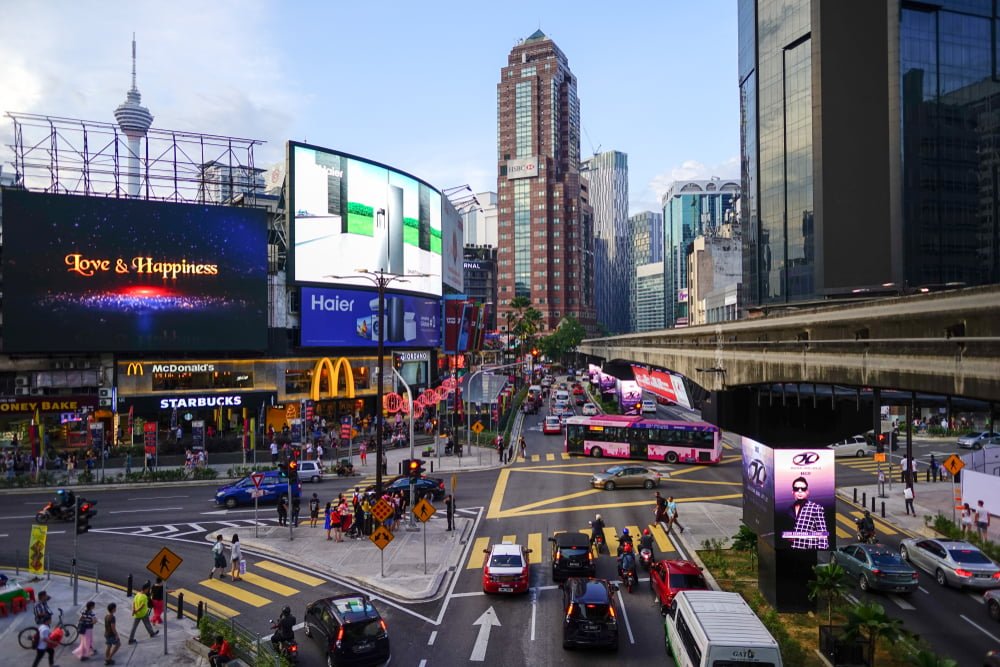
21 381
21 391
104 402
104 392
38 391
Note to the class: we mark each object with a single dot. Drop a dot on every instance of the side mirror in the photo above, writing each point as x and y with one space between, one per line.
552 540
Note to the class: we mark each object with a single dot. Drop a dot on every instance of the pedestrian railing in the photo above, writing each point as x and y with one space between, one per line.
249 646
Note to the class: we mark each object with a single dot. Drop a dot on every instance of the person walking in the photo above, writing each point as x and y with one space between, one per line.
966 520
660 508
449 511
140 613
46 645
934 468
218 558
335 520
156 597
112 641
88 619
908 500
236 556
363 452
904 468
672 514
282 510
523 446
313 510
982 520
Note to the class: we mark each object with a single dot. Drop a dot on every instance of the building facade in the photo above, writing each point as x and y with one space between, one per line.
715 266
607 176
690 209
480 223
544 221
479 268
867 122
646 229
650 299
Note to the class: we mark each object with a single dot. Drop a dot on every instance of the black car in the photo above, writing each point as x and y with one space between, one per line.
571 556
427 487
591 616
349 630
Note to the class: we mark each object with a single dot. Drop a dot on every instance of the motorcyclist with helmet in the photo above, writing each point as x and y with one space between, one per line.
625 539
866 527
626 561
285 628
597 530
646 542
65 502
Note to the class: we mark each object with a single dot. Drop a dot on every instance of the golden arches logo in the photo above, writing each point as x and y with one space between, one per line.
333 368
134 368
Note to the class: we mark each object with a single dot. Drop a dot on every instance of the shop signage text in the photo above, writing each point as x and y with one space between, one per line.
136 368
44 406
201 402
413 356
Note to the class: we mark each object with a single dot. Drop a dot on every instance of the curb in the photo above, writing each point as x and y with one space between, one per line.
923 531
713 584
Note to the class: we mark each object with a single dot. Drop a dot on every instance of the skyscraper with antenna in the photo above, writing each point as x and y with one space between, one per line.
134 121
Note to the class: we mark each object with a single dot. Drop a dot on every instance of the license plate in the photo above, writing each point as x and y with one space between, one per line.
574 565
591 627
506 589
364 646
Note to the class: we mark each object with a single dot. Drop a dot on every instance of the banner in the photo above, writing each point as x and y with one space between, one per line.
452 324
36 550
804 498
149 437
666 385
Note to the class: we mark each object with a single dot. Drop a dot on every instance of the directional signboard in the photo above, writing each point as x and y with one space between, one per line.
382 510
381 537
424 510
164 563
257 478
478 427
953 465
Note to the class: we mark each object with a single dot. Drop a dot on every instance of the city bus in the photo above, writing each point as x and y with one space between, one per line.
634 437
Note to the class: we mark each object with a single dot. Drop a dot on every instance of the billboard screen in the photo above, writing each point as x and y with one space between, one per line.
351 214
452 247
663 384
98 274
758 487
350 318
804 498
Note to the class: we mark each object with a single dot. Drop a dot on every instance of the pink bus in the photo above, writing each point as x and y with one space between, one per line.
634 437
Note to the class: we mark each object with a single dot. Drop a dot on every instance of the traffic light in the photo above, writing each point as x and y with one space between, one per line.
534 352
293 471
413 468
880 443
84 512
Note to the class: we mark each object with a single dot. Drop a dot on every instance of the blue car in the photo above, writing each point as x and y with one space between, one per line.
273 486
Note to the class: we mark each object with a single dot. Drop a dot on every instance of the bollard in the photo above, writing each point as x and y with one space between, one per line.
432 467
873 503
201 609
928 473
855 495
864 499
883 509
180 605
128 590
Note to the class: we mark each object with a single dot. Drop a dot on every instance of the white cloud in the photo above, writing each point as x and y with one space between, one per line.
648 198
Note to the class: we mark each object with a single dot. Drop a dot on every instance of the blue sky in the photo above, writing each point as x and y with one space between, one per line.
409 84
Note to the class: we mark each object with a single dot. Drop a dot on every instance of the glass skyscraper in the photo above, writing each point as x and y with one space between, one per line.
868 146
647 248
607 178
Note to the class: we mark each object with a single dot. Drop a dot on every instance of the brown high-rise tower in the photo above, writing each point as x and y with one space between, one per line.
544 219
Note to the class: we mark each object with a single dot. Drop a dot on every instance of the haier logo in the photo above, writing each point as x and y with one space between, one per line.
332 303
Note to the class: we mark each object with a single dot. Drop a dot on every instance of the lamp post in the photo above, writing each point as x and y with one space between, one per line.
381 279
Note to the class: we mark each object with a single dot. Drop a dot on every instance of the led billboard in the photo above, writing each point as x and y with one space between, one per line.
87 274
350 318
669 386
350 214
804 498
758 487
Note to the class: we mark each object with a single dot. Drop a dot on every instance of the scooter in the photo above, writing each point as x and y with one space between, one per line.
628 579
54 511
287 648
645 558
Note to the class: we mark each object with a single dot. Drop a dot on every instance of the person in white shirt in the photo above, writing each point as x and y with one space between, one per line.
274 452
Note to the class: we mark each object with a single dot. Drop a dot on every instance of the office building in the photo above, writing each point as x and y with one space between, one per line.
690 209
607 176
480 220
646 229
479 269
715 271
650 301
544 218
867 146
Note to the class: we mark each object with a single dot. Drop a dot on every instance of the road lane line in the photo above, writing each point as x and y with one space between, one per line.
475 556
430 640
270 585
980 628
155 509
509 538
234 591
535 544
550 457
289 573
901 603
211 605
978 597
628 626
662 539
534 608
493 512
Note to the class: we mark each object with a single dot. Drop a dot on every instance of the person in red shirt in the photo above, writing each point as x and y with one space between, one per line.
220 653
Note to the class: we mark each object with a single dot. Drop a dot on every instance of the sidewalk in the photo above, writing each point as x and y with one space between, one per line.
930 499
148 652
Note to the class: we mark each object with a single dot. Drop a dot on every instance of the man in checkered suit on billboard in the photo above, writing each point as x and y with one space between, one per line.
810 531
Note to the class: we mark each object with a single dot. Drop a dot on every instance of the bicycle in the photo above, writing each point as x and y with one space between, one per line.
26 638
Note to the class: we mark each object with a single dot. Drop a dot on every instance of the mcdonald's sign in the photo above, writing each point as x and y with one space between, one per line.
333 368
134 368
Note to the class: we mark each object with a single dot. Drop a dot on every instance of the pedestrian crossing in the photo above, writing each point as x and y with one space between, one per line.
536 542
182 531
276 583
847 529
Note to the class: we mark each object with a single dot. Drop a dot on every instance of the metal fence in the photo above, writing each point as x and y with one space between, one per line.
251 647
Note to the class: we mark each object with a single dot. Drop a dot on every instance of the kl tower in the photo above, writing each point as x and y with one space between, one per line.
134 120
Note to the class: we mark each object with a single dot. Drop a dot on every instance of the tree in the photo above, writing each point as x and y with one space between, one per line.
560 342
746 540
926 658
514 317
871 623
828 584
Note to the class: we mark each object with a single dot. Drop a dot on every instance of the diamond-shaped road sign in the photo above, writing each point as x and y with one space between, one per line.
257 478
382 510
164 563
424 510
477 428
381 537
953 464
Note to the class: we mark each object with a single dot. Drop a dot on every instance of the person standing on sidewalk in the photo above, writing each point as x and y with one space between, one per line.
236 555
140 613
934 468
156 597
904 469
966 520
282 510
363 452
219 558
313 510
449 511
85 649
672 514
523 446
112 641
982 520
908 500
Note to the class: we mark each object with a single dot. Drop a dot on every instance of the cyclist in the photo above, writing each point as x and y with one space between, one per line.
597 530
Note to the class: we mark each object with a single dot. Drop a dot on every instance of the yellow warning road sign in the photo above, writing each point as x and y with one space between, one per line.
382 510
381 537
424 510
478 427
164 563
953 464
879 457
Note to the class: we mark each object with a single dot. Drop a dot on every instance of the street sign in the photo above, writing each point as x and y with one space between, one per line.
879 457
382 511
381 537
953 464
424 510
164 563
478 428
257 478
257 493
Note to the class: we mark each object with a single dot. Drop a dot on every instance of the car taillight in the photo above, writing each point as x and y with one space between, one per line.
877 572
569 610
963 573
385 628
293 648
441 485
914 576
590 555
996 575
340 637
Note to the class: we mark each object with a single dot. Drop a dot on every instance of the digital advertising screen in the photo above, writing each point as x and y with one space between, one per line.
454 307
350 318
804 498
452 247
351 214
663 384
96 274
758 487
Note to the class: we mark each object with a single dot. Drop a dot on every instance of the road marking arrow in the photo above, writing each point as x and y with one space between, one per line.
485 623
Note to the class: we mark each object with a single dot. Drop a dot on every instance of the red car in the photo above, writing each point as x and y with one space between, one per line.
666 577
506 569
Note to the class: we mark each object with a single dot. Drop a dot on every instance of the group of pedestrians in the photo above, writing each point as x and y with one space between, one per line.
665 512
506 453
978 519
48 636
220 562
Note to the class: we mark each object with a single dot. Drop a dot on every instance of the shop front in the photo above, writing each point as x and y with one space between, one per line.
56 423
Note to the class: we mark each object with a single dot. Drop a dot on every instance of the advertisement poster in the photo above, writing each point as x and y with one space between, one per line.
629 394
350 318
804 498
452 323
452 247
357 214
91 274
663 384
149 438
758 487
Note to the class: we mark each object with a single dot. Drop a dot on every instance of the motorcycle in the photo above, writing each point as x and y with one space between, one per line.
55 511
645 558
628 578
864 536
287 648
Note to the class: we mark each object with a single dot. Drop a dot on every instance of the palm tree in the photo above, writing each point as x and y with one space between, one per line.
828 584
515 315
746 540
871 623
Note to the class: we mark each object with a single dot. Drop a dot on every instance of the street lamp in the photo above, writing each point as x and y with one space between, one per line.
381 279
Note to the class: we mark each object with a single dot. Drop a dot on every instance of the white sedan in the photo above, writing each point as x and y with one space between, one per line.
588 410
856 446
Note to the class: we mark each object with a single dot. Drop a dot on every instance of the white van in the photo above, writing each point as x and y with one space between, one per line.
706 628
561 395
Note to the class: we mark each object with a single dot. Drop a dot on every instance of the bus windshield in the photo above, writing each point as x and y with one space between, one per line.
633 437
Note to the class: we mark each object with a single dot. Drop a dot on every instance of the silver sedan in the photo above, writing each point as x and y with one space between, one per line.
951 562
